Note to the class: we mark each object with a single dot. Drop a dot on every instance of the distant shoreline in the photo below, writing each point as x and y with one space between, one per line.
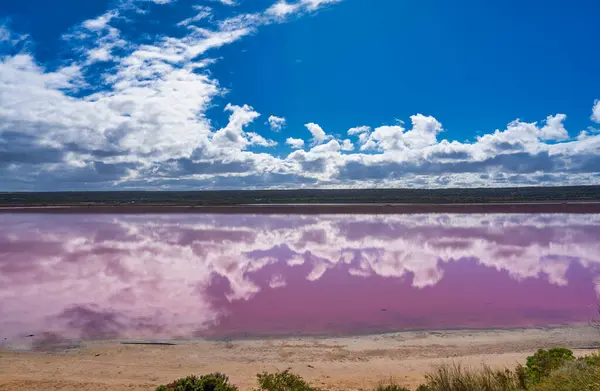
576 207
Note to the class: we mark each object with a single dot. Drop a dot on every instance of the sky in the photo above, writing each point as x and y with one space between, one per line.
258 94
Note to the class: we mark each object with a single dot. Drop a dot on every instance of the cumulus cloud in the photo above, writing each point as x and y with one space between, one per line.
347 145
596 111
233 137
554 128
276 123
358 130
295 143
318 134
387 138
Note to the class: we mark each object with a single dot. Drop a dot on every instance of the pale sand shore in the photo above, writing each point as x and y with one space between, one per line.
345 363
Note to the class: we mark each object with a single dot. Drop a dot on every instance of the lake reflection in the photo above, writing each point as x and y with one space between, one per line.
183 276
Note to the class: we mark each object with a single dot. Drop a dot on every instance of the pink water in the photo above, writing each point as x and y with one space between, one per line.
69 277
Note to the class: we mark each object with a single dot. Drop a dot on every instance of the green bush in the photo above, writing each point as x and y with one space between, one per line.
213 382
457 378
283 381
592 360
571 376
390 386
544 361
521 377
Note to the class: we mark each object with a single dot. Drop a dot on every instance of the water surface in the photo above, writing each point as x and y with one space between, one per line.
65 277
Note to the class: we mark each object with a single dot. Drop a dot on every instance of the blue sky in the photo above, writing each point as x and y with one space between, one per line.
199 94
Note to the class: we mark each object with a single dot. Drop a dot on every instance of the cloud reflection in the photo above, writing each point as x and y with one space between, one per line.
177 276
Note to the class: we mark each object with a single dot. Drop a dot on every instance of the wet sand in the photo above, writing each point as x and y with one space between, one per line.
523 207
344 363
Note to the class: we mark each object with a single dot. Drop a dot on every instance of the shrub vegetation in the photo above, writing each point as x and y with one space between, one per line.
547 370
283 381
213 382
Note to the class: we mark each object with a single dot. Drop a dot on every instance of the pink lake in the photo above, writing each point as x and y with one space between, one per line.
160 277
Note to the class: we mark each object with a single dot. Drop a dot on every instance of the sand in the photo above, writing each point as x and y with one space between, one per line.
344 363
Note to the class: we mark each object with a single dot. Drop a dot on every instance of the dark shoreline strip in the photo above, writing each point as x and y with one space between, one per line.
541 207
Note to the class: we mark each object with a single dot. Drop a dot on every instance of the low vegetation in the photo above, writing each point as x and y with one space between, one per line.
547 370
305 196
213 382
283 381
457 378
390 386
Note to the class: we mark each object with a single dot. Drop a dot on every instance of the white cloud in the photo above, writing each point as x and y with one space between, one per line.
99 54
295 143
282 9
98 38
226 2
347 145
203 12
101 22
314 4
596 112
358 130
387 138
233 137
554 128
257 139
318 134
384 138
276 123
330 146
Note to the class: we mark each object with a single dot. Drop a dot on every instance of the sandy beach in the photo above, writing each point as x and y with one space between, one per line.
344 363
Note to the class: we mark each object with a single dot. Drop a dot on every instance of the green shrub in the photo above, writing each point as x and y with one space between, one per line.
283 381
521 377
456 378
571 376
212 382
390 386
544 361
592 360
